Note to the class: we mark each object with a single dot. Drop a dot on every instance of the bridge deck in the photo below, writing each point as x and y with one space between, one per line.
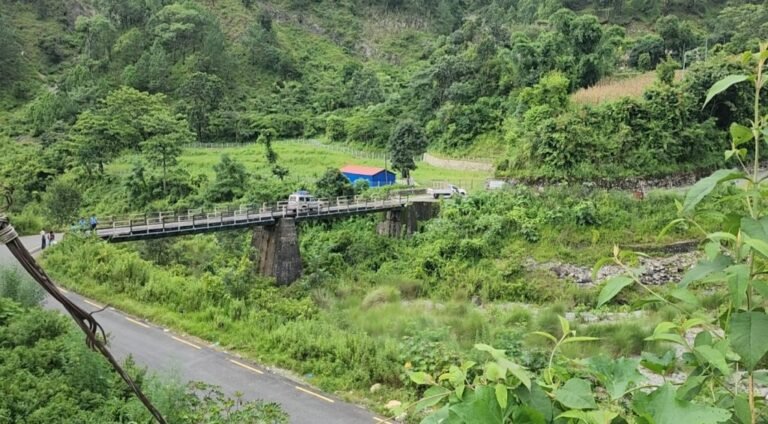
170 224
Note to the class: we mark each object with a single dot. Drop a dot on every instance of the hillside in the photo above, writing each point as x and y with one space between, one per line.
466 78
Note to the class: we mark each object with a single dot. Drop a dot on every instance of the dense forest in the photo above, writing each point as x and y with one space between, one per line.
105 106
86 81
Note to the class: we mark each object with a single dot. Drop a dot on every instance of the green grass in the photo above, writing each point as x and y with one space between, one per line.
305 161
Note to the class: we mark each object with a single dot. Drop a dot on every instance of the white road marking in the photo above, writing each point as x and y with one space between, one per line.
92 303
246 366
186 342
315 394
137 322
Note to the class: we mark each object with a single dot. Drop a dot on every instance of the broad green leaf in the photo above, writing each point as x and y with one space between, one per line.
494 371
748 332
421 378
664 327
496 353
723 85
576 394
714 358
741 408
616 375
759 245
591 417
479 406
692 322
543 334
740 134
704 269
517 371
666 337
721 235
691 387
525 414
659 364
538 400
564 325
501 395
738 283
459 390
612 287
432 397
754 228
761 287
439 417
663 407
705 186
685 295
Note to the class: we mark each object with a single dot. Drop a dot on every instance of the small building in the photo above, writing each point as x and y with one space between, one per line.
376 177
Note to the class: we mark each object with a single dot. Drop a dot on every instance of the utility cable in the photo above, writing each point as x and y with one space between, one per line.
95 338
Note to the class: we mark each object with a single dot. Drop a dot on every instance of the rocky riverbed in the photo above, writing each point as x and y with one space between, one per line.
654 270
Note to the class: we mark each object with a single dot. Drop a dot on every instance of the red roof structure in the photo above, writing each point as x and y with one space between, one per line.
361 170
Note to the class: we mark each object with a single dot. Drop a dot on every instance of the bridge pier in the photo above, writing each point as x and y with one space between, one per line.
277 248
405 221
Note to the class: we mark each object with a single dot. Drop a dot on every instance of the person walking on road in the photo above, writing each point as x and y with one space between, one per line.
43 240
81 223
94 221
51 239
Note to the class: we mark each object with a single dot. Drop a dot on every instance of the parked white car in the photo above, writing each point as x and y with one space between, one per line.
446 192
302 201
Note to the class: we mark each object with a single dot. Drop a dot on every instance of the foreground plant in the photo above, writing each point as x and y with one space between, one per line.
716 354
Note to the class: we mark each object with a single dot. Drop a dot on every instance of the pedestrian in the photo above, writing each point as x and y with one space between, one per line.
43 240
51 239
81 223
94 221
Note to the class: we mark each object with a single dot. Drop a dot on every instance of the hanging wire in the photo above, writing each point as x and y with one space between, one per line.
95 338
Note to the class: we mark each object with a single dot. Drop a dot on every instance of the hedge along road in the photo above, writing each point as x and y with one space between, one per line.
167 353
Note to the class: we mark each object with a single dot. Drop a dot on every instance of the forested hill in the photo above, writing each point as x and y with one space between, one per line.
482 76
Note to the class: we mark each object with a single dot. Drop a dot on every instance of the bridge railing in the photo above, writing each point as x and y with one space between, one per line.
226 215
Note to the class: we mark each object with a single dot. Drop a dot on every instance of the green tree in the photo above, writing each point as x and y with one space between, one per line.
406 142
652 46
62 202
98 35
11 65
201 94
231 180
333 184
163 150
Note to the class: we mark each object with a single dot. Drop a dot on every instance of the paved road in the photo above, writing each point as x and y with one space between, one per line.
165 352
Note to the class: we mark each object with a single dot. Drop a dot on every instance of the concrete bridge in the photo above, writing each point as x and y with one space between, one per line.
275 234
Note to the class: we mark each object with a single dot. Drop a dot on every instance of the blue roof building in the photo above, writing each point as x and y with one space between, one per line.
376 177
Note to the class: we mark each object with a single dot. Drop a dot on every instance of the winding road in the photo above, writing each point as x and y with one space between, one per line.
167 353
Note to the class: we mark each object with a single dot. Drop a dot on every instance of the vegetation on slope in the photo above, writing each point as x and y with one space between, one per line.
49 375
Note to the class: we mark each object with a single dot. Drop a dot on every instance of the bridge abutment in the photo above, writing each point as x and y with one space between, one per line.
277 248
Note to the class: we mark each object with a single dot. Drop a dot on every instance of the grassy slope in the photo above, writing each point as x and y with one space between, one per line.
305 161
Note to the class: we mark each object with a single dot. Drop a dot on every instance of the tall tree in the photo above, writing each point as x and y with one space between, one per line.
231 180
202 95
62 202
406 142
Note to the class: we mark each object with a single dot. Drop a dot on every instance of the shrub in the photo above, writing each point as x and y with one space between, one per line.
381 296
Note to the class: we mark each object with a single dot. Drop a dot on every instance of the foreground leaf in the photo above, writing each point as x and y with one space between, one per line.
723 85
705 186
616 375
663 407
576 394
748 332
612 287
